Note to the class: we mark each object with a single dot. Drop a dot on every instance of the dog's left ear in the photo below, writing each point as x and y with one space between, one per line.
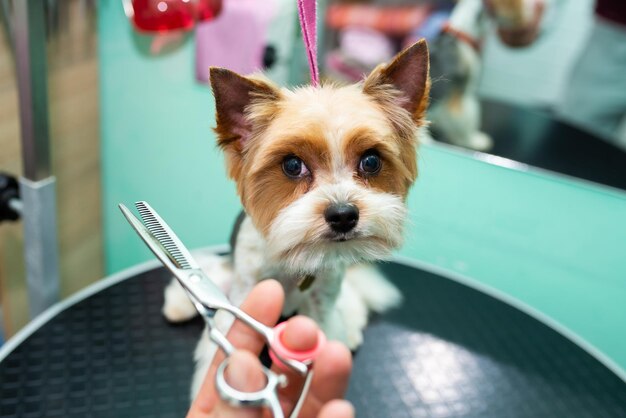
234 94
407 73
242 104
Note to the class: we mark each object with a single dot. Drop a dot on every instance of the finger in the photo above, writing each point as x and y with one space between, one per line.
243 373
331 373
300 334
264 303
337 408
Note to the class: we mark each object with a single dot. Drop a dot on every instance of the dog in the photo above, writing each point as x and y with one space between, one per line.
323 174
456 64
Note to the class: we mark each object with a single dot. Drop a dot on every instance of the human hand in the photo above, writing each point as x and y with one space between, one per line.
524 34
331 369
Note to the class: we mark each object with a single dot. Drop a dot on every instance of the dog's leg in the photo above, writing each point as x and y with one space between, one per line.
474 137
177 306
206 350
364 290
372 287
318 303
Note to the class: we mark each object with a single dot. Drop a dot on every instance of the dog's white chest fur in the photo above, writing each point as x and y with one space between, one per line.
252 263
323 173
339 300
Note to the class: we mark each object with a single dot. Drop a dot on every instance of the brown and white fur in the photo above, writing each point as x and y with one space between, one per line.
286 234
456 65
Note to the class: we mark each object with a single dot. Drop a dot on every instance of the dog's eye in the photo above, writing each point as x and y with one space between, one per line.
294 167
370 163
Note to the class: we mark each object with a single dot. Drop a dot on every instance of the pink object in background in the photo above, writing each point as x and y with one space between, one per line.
391 20
307 14
368 46
236 39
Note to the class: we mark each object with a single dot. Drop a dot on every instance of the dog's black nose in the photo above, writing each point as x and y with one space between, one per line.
342 217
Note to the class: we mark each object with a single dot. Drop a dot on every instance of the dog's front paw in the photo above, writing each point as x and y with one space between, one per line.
354 338
480 141
345 329
177 307
353 315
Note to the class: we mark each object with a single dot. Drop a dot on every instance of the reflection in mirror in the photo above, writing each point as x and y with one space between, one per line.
540 82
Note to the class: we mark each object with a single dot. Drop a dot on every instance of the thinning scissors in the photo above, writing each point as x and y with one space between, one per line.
208 299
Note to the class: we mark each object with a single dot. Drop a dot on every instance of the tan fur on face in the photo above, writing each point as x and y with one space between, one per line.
328 127
234 96
395 175
264 188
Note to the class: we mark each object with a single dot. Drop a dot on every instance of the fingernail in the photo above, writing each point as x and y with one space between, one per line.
300 334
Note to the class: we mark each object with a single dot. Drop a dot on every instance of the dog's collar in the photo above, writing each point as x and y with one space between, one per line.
462 36
305 282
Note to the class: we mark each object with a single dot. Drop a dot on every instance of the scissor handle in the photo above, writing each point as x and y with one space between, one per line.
278 348
266 397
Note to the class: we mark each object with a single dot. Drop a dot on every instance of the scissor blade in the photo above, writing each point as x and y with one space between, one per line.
193 279
166 237
147 237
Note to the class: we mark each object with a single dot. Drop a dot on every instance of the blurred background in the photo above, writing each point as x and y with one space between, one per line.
514 197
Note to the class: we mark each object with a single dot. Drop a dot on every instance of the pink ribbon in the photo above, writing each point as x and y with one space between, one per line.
307 12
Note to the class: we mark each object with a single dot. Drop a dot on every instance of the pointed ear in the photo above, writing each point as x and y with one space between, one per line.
235 98
407 73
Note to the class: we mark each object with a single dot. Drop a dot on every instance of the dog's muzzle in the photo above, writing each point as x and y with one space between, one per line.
341 217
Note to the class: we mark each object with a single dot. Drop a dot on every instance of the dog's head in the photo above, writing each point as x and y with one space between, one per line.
324 171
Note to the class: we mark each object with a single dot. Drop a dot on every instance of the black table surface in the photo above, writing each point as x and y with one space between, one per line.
534 137
449 351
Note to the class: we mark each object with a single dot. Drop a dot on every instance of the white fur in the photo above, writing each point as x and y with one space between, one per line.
296 239
344 291
363 289
458 118
177 306
299 242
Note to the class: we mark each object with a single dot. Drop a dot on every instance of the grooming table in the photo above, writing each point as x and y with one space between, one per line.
449 351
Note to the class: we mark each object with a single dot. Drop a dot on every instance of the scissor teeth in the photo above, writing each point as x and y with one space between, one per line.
156 228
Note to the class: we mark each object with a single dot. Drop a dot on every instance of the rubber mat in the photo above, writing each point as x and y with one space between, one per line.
450 351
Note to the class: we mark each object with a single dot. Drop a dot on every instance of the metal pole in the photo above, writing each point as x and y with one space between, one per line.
37 186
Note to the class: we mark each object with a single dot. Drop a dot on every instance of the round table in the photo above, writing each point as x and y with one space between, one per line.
449 351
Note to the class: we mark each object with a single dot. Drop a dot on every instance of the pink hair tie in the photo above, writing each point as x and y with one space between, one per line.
279 348
307 13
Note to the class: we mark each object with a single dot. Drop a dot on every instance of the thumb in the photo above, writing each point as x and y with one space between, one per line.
243 373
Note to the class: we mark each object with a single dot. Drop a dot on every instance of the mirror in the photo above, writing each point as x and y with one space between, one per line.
538 82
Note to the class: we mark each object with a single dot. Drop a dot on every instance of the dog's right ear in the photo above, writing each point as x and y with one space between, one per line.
408 75
236 98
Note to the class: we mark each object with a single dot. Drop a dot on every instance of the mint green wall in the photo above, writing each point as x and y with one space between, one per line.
157 143
556 245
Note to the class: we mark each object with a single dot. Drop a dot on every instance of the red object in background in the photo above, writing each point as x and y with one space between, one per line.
391 20
171 15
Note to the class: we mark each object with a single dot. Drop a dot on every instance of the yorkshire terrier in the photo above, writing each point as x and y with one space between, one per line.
456 62
323 175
